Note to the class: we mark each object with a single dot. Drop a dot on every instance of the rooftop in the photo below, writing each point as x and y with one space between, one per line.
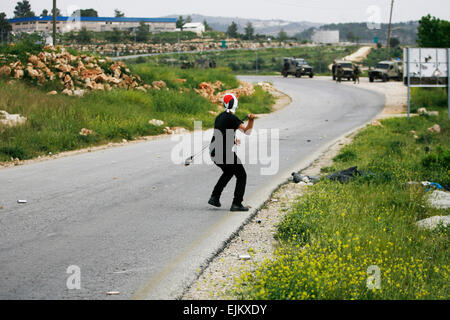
92 19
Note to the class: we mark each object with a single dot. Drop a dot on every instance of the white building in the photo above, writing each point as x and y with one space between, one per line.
66 24
196 27
326 36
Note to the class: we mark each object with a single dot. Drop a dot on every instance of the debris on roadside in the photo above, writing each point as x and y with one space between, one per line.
212 91
425 112
439 199
22 201
347 175
11 120
435 129
85 132
377 123
157 123
174 130
304 180
433 222
113 293
244 257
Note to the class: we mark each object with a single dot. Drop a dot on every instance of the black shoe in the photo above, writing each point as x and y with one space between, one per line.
214 202
239 208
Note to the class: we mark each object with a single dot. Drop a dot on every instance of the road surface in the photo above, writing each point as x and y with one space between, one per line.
136 223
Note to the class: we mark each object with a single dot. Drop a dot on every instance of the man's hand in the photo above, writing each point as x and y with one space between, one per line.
248 129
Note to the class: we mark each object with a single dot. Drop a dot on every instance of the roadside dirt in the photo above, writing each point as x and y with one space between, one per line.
359 55
395 92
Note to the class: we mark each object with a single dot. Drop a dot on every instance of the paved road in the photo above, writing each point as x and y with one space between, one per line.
146 233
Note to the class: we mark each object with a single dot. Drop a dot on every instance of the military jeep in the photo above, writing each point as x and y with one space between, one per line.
386 70
348 68
296 67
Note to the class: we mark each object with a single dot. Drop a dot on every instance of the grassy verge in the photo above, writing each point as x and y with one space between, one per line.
268 61
54 122
337 231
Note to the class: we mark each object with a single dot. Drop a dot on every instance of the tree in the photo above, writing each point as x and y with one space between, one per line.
45 12
118 13
188 19
84 36
180 22
115 36
86 13
232 30
249 31
395 42
23 10
5 26
350 36
282 35
58 12
433 33
142 32
207 26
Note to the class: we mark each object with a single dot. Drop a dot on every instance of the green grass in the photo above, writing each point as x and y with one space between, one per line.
54 122
429 98
269 60
335 232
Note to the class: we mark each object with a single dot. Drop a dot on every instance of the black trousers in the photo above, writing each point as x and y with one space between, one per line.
230 170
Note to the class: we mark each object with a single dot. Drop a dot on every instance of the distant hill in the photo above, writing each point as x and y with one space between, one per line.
267 27
406 32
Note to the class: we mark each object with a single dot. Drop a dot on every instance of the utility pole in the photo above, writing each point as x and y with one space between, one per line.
389 32
54 22
256 64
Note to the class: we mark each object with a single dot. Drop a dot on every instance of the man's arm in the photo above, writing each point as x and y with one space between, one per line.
248 129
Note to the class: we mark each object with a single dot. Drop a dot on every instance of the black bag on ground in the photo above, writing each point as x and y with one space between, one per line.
344 176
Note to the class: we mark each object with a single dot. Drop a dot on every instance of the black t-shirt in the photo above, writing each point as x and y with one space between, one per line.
224 137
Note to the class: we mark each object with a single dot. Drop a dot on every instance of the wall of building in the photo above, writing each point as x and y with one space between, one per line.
329 36
109 24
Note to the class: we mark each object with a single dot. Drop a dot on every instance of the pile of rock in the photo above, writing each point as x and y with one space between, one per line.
212 91
268 87
75 73
112 49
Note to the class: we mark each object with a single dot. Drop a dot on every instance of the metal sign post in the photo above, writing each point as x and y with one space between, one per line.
448 81
409 83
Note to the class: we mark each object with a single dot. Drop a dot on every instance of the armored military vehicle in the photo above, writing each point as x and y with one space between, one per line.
296 67
348 69
386 70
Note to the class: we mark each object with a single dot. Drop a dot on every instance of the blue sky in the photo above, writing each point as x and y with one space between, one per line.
326 11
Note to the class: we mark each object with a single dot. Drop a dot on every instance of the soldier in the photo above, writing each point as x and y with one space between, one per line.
340 73
333 70
357 73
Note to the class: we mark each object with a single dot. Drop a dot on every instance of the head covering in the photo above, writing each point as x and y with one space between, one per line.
230 102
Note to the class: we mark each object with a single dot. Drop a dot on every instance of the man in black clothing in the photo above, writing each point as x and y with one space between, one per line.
221 150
